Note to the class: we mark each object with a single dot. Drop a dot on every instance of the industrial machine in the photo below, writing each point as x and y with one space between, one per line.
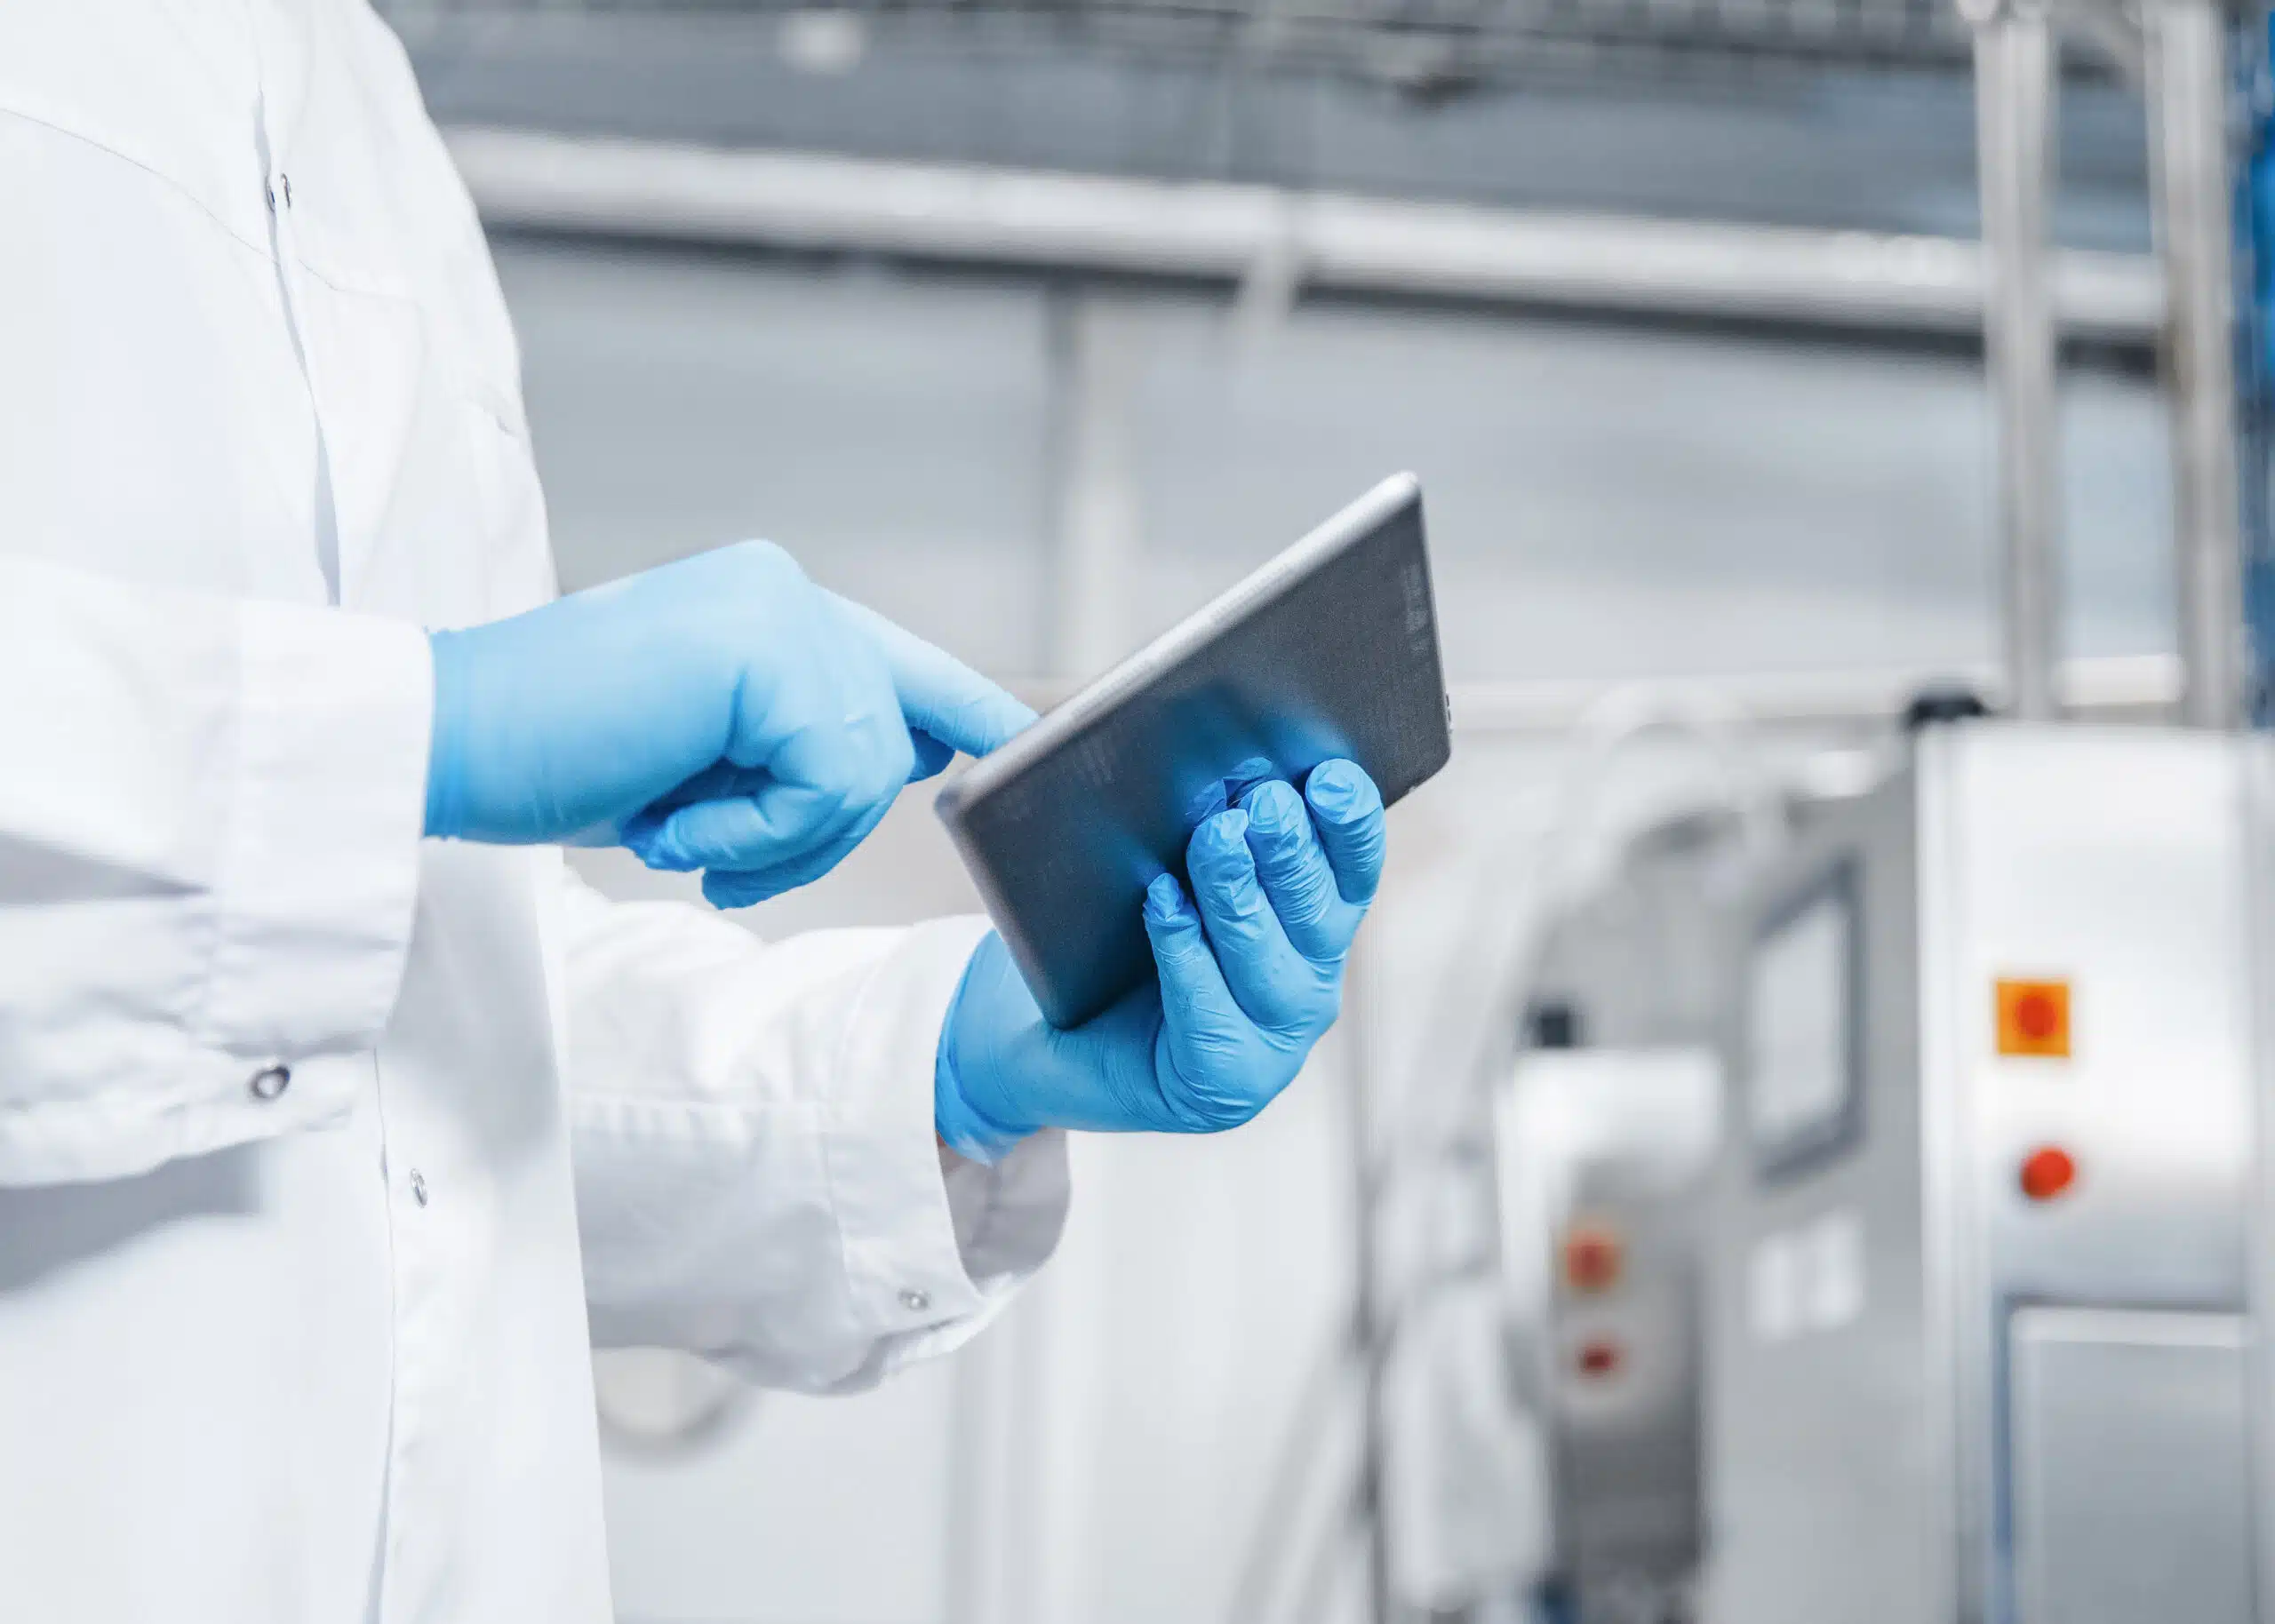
1607 1150
1604 1139
1985 1340
1978 1329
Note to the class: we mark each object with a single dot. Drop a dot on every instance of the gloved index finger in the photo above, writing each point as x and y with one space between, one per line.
940 696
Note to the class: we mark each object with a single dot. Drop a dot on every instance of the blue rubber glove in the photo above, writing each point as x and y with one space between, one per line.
1250 976
720 714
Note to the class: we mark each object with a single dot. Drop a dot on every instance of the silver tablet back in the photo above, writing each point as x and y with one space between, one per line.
1330 650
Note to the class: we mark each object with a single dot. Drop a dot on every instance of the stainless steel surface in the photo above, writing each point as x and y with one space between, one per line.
2117 863
1860 1466
2015 112
1955 1342
2133 1477
2192 189
2258 807
1610 1146
1627 1449
1611 1142
1826 1485
1223 232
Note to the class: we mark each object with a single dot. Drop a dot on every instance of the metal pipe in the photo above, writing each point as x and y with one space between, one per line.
1234 234
1095 521
2187 84
2013 89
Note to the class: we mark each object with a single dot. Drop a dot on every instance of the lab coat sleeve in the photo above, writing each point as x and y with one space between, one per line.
758 1180
210 815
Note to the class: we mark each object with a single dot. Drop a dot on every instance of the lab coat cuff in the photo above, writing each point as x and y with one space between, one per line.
934 1245
319 873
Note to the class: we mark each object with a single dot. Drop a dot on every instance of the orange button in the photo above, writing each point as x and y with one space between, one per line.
1599 1358
2048 1172
2034 1018
1593 1258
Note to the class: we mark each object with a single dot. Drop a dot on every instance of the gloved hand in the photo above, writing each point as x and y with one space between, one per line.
1249 979
720 714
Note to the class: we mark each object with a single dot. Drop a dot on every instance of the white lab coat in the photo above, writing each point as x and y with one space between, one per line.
302 1118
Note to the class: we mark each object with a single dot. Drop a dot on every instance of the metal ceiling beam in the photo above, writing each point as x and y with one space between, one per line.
1216 231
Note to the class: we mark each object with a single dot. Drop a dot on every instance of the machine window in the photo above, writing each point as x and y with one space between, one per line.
1803 1090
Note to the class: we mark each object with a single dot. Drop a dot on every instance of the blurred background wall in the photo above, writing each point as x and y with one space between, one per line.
1037 465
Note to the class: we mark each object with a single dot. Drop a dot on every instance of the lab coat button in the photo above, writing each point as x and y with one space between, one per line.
418 1187
915 1301
270 1081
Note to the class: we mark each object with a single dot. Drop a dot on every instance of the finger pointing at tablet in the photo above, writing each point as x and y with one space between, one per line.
944 701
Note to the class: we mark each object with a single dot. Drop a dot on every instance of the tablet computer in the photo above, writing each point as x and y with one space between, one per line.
1330 650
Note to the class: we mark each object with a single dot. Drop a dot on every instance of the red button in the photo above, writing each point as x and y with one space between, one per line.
1599 1358
2048 1172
